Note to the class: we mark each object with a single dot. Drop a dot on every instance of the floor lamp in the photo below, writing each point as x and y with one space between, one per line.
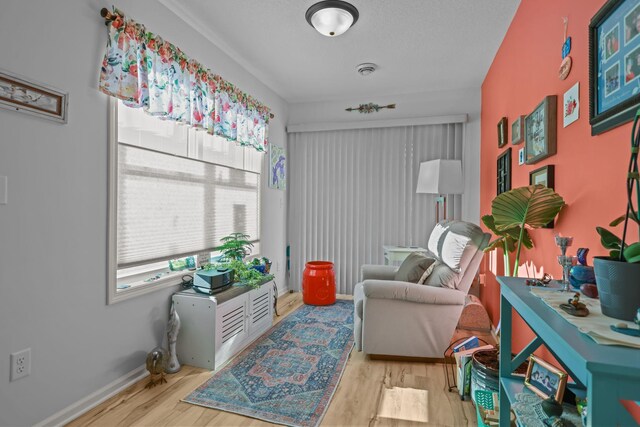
440 177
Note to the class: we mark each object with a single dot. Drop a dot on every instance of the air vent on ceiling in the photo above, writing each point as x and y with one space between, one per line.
366 68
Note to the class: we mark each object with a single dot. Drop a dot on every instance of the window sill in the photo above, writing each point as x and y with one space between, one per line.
171 280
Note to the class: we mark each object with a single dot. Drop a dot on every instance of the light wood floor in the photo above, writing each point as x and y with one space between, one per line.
371 393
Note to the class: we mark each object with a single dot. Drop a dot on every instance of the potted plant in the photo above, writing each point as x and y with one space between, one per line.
235 246
513 213
618 275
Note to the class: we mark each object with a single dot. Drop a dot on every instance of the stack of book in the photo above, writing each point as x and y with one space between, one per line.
463 353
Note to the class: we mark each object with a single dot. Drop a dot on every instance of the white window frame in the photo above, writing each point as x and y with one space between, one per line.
173 278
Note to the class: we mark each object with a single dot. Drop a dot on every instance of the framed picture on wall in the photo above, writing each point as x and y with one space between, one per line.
517 127
541 130
28 96
502 132
504 171
614 65
544 176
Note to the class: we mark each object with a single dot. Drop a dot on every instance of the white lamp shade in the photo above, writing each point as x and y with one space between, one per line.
440 177
331 21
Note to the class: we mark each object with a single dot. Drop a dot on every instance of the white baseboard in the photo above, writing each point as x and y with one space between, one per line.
85 404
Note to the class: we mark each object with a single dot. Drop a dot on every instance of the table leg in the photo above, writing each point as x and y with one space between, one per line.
606 391
505 359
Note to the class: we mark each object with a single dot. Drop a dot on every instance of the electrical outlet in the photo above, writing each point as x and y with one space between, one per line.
20 364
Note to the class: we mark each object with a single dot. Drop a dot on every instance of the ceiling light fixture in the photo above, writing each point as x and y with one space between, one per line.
332 17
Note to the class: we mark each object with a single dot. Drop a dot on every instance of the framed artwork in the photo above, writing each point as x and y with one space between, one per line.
517 127
571 105
30 97
504 171
614 65
541 130
521 157
502 132
544 176
277 167
544 379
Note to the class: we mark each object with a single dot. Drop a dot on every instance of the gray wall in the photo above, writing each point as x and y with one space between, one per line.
428 104
53 230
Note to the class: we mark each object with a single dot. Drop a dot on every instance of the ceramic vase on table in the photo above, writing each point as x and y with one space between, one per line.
581 273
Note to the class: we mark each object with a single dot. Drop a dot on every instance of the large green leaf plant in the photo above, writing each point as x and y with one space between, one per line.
513 213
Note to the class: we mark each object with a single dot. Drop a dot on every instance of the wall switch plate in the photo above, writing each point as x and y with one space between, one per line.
3 190
20 364
482 279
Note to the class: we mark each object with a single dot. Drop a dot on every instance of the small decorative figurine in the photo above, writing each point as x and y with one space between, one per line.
173 327
551 407
156 364
581 273
575 307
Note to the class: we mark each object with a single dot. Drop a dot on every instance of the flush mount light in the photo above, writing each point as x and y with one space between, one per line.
332 17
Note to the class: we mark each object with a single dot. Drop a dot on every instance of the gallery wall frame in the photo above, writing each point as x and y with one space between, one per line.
517 130
19 93
502 132
541 129
614 46
504 171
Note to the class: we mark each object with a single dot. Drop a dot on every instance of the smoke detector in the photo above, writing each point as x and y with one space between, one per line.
366 68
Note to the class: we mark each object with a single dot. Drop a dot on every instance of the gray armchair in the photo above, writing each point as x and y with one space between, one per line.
396 318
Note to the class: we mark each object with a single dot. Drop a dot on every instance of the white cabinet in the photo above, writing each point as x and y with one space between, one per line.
215 328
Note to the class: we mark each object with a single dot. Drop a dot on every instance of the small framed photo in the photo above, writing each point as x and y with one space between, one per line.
517 134
27 96
521 157
502 132
544 379
504 172
544 176
614 64
541 130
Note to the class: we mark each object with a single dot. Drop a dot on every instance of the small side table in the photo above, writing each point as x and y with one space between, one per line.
394 255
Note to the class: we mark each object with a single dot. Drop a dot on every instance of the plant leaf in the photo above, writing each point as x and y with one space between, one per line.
614 254
621 218
494 245
608 239
632 253
511 234
534 206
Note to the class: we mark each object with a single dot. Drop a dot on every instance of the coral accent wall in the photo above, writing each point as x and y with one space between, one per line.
590 171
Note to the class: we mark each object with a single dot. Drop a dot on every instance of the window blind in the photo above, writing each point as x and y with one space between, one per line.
170 207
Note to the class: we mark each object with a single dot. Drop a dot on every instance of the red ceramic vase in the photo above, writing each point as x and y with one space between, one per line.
319 283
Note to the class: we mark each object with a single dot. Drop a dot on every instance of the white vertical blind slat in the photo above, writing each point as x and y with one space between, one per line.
354 190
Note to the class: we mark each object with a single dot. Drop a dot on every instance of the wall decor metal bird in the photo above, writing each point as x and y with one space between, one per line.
157 361
370 108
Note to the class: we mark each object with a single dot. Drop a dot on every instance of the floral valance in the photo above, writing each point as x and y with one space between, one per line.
145 71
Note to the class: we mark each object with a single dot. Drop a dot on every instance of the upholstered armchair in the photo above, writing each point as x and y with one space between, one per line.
400 318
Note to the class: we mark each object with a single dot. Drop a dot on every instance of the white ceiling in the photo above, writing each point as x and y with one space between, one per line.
419 45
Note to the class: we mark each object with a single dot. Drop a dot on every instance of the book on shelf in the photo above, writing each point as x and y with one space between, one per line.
463 367
469 343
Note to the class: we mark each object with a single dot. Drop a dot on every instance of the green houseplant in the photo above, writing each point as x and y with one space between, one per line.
513 213
235 246
618 276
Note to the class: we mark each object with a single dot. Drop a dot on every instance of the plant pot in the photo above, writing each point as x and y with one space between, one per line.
619 287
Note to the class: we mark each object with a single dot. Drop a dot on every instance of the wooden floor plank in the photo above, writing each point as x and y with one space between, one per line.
370 393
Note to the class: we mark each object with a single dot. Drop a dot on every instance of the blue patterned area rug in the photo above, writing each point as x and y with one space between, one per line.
289 375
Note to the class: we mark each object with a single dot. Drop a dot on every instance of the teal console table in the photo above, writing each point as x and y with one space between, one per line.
608 373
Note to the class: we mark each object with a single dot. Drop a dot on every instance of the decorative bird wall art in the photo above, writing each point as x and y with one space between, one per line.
370 108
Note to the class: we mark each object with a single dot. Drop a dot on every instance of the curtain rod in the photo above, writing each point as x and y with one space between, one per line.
110 17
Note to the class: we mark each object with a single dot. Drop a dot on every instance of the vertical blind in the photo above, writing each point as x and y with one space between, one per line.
172 201
353 191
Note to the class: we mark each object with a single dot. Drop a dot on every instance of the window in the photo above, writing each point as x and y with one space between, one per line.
174 192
